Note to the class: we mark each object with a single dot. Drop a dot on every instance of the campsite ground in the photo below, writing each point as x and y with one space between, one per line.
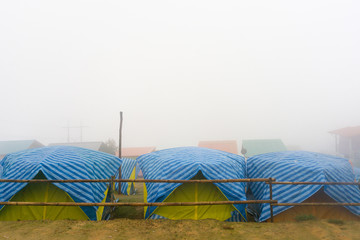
128 224
163 229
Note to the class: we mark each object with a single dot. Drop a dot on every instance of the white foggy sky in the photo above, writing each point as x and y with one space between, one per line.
181 71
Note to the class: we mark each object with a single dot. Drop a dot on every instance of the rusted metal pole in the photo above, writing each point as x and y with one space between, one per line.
132 203
135 180
271 198
316 204
120 148
317 183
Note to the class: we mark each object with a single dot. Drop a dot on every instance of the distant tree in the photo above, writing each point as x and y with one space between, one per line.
109 146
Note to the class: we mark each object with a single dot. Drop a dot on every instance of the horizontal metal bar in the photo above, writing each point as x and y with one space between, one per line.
317 183
316 204
134 204
136 180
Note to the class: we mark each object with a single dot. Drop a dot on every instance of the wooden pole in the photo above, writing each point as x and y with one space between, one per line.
120 147
120 133
271 196
133 204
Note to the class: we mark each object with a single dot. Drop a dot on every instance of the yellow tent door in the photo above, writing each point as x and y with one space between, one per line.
196 192
44 192
41 192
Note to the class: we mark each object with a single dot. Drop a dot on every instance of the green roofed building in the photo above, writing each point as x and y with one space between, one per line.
260 146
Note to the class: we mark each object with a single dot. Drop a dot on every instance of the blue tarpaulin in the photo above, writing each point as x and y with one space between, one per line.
300 166
60 163
184 163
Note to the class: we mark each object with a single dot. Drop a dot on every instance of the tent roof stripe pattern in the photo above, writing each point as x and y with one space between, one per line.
357 174
300 166
60 163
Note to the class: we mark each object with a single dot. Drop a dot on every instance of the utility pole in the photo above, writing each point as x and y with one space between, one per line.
120 135
81 126
81 131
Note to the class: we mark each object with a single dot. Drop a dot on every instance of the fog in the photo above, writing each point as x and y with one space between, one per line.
181 71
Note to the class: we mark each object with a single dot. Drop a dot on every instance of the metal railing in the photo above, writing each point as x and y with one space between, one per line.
270 181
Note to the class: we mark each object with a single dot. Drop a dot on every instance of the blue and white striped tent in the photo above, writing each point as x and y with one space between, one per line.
185 163
129 170
300 166
61 163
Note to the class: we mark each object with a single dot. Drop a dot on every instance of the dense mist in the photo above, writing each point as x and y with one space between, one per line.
181 71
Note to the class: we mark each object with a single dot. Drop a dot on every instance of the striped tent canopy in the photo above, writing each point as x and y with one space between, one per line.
357 174
128 166
184 163
57 163
301 166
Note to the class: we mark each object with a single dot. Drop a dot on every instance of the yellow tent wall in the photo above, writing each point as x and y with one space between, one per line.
44 192
195 192
41 192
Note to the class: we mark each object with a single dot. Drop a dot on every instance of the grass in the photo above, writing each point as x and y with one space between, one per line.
302 218
130 212
336 221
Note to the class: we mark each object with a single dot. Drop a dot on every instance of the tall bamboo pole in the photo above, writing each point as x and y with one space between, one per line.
120 141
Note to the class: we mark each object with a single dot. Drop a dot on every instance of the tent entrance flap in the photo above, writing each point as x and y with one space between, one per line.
145 199
100 211
131 187
196 192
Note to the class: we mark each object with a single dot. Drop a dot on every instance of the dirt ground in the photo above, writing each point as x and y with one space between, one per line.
184 229
128 223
